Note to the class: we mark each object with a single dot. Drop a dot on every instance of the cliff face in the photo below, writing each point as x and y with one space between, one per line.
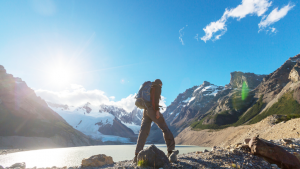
250 79
24 114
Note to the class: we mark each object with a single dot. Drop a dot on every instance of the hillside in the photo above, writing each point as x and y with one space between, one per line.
271 128
26 121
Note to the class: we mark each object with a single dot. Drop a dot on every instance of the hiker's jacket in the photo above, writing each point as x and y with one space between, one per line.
155 93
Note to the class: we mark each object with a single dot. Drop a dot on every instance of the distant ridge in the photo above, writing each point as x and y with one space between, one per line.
26 121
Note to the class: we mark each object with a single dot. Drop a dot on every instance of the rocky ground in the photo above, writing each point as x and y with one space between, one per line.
218 157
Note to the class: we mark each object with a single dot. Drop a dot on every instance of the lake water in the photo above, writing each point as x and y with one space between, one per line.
73 156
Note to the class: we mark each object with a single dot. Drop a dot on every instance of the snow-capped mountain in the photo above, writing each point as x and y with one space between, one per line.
192 99
186 106
104 122
197 102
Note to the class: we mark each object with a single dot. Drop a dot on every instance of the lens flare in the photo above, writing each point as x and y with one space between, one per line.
245 90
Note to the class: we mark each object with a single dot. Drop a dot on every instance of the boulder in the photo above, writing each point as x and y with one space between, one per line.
1 167
97 161
273 154
297 155
153 157
20 165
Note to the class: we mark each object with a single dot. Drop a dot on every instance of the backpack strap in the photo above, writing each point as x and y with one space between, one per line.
153 97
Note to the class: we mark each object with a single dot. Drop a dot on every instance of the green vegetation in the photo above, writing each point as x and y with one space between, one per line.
254 110
286 105
199 125
225 118
288 117
142 163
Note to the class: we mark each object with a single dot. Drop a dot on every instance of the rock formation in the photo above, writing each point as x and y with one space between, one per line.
153 157
295 73
97 161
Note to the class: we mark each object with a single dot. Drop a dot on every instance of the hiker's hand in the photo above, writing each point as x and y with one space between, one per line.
157 114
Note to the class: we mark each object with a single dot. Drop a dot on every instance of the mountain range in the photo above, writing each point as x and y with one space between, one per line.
247 99
27 120
103 122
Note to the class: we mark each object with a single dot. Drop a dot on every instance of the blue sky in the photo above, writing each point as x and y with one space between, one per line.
114 46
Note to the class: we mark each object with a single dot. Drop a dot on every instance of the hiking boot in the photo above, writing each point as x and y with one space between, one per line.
169 153
135 159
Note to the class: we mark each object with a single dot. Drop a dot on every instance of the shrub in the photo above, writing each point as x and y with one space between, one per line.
142 163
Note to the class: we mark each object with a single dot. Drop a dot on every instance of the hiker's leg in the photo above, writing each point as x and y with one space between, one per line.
144 132
161 123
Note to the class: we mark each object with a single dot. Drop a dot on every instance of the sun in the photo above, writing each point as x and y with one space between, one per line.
60 75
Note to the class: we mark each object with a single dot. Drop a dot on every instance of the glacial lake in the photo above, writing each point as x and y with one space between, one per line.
72 156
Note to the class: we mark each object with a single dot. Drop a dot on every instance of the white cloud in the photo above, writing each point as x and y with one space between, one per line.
247 7
77 95
196 37
181 35
274 16
74 96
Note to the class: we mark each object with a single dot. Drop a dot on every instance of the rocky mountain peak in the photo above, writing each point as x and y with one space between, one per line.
87 108
2 70
295 58
206 83
238 78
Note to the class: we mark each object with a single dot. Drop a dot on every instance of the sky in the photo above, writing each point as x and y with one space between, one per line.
103 50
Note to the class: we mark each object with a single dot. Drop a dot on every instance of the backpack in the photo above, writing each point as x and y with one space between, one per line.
143 100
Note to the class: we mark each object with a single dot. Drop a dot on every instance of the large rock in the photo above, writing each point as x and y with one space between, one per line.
97 161
154 157
19 165
273 154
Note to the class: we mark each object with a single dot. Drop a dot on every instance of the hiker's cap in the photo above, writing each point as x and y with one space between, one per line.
158 81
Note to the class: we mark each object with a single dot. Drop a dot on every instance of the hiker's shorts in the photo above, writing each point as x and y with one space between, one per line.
149 115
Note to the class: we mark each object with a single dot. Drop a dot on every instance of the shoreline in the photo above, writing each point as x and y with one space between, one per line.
216 157
5 151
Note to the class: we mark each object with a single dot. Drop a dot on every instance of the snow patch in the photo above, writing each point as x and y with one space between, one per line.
135 128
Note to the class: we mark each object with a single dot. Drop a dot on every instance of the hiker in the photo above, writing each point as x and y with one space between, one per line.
150 104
